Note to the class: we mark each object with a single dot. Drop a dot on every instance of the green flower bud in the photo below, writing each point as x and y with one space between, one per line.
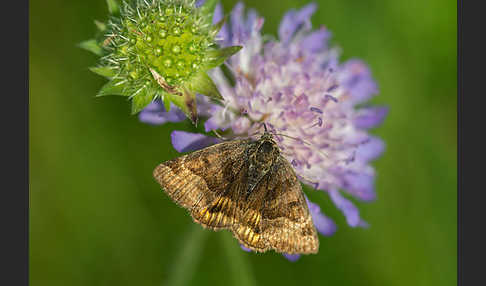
159 49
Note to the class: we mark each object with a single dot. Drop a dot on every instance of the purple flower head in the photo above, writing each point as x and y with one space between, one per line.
308 100
299 89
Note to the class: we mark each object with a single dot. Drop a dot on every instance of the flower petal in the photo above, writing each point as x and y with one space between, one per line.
224 37
241 125
186 141
245 248
294 20
370 117
316 41
238 24
218 13
220 119
360 185
370 150
356 78
347 207
292 257
324 225
156 114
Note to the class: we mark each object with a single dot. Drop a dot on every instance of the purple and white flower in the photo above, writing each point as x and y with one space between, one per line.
310 102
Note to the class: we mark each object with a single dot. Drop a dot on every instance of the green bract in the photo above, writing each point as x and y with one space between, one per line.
153 49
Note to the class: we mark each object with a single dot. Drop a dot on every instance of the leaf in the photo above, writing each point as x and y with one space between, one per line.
184 265
217 57
100 25
166 101
143 98
113 87
113 7
103 71
240 269
186 102
207 9
91 46
217 27
203 84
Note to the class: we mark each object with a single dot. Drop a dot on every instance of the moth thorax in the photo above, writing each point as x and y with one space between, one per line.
267 151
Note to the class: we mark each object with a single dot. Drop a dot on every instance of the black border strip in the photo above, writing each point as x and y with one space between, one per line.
471 143
14 201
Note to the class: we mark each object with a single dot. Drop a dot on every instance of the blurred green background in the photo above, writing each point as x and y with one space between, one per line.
97 217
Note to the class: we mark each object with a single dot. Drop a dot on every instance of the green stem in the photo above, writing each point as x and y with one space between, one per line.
188 258
241 271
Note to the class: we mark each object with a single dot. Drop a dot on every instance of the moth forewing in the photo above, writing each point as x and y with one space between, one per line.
230 186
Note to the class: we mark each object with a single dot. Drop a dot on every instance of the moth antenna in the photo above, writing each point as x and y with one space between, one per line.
254 134
264 126
303 141
225 138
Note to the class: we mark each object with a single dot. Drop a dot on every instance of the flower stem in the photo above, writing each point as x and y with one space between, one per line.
188 258
241 271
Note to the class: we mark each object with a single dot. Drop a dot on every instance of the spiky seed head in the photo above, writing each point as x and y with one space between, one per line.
171 37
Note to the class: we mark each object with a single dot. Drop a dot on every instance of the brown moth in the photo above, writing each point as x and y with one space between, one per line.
247 187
